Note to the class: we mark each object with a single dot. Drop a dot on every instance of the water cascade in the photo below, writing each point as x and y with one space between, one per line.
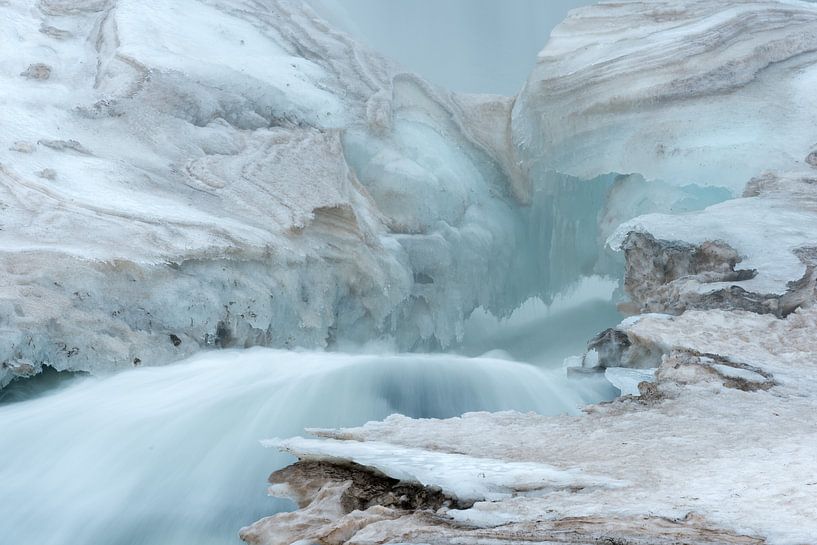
423 189
171 455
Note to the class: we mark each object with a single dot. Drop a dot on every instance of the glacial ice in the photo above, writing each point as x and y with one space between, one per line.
686 92
261 164
258 164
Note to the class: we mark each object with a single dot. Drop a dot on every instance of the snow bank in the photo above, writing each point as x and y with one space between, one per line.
693 91
465 478
755 253
700 459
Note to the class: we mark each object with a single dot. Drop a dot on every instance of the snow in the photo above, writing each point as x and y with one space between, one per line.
466 478
741 460
216 49
670 90
787 206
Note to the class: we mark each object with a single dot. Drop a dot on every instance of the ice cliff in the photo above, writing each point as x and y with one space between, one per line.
191 174
683 91
719 446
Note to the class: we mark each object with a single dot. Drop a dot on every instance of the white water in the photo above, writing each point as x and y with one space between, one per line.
171 455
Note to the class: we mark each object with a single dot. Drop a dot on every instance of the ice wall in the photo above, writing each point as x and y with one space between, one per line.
250 177
711 93
254 177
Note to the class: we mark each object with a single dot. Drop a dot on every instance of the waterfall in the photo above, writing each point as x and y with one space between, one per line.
171 455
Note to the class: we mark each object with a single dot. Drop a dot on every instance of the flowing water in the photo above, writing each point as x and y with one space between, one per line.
171 455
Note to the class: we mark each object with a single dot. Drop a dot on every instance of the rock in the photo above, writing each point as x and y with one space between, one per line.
23 147
336 502
38 71
725 256
48 174
608 347
54 32
657 270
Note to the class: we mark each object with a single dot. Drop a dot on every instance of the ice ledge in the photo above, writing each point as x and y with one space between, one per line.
466 478
755 253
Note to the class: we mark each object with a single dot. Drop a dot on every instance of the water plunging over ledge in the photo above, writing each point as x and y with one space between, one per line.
171 455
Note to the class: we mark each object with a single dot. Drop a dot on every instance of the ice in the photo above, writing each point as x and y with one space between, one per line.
210 146
465 478
666 89
259 166
773 247
266 163
627 380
